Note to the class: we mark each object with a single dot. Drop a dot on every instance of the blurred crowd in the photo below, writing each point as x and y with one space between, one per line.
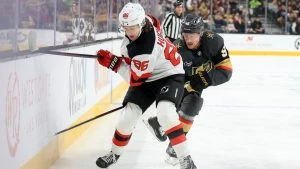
238 16
222 16
286 14
80 21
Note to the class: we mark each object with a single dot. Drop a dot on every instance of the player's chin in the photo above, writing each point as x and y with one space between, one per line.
191 46
132 38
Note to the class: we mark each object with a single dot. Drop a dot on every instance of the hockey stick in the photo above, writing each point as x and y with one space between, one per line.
68 54
96 117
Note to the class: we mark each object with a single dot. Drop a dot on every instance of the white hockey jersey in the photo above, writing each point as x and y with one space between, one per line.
151 57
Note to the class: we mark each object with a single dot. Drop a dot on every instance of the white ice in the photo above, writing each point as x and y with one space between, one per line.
251 122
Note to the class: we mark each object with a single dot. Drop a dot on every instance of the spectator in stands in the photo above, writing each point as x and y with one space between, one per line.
257 26
297 28
255 5
203 10
46 17
192 6
230 26
209 24
218 6
233 6
239 23
27 17
167 6
220 23
228 15
281 15
273 6
293 22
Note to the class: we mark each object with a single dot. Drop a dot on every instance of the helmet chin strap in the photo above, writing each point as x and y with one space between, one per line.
199 42
201 33
141 27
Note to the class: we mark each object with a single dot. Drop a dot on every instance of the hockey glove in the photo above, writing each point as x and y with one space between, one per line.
188 87
109 60
200 81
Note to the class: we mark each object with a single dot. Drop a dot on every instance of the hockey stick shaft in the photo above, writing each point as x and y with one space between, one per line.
96 117
70 54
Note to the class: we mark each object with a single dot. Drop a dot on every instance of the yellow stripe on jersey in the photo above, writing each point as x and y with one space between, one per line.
225 64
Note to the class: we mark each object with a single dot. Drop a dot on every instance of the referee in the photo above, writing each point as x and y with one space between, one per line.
172 23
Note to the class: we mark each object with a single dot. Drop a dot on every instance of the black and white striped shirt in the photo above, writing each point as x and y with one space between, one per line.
172 26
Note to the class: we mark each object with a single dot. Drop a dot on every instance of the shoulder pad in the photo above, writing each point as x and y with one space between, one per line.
212 42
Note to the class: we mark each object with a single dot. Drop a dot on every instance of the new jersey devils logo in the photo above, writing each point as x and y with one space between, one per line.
125 15
164 89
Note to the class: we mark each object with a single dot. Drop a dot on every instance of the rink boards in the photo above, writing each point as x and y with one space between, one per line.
44 94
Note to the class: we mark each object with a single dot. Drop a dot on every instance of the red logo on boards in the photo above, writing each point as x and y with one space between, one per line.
12 113
249 38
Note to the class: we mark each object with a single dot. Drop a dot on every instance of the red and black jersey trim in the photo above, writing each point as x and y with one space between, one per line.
121 139
176 135
127 60
136 80
185 121
155 21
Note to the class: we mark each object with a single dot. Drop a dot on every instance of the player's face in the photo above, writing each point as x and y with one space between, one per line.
75 8
192 40
132 32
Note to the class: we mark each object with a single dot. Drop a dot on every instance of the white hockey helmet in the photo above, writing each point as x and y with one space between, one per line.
132 14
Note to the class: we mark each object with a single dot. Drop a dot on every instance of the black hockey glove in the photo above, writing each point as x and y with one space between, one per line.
200 81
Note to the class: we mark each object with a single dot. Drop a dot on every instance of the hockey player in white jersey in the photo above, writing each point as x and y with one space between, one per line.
154 70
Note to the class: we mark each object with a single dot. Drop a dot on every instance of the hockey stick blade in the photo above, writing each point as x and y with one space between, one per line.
96 117
69 54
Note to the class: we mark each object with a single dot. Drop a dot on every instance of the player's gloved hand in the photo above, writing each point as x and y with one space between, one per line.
188 87
109 60
200 81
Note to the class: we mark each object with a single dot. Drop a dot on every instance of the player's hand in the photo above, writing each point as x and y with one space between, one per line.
109 60
200 81
188 87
